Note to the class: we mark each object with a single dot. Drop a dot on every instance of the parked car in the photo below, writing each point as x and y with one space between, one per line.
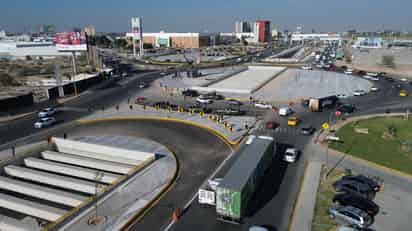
234 102
374 89
45 122
355 188
346 109
263 105
348 71
349 215
47 112
366 205
307 130
374 74
124 74
291 154
191 93
365 180
359 92
342 96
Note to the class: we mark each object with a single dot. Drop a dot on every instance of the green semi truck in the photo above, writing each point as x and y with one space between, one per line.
234 192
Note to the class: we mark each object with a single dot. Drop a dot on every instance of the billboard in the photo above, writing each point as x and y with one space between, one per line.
71 41
137 27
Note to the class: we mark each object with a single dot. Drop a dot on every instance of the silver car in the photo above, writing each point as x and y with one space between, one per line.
47 112
45 122
351 216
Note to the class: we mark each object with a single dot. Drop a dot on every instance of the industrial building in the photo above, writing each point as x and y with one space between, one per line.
365 42
179 40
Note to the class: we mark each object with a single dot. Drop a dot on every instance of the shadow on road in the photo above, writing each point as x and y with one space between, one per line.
270 184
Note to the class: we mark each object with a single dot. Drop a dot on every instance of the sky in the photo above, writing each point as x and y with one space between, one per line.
206 15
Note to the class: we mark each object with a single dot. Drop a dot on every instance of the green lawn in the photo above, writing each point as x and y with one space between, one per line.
376 146
321 220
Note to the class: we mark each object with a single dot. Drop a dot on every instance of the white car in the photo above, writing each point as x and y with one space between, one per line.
374 74
319 65
342 96
285 111
374 89
306 67
367 77
47 112
290 155
124 74
204 100
163 73
404 80
257 228
348 71
263 105
359 92
44 122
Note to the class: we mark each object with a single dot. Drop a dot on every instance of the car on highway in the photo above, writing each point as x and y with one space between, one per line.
359 92
342 96
190 93
390 79
234 102
366 205
124 74
293 121
404 79
306 67
307 130
354 188
44 122
349 215
163 73
258 228
373 74
365 180
142 85
348 71
263 105
346 108
230 111
291 155
374 89
285 111
204 99
403 93
46 112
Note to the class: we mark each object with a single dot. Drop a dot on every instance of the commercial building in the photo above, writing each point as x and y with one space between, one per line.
179 40
262 31
243 27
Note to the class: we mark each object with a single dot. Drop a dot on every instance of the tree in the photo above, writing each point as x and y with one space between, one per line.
120 43
388 61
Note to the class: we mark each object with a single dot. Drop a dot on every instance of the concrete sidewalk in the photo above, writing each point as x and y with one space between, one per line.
305 204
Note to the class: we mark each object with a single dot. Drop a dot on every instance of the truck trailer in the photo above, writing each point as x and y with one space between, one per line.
320 104
234 193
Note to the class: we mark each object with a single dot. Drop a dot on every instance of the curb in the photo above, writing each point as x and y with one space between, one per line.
24 115
162 118
371 164
295 205
142 211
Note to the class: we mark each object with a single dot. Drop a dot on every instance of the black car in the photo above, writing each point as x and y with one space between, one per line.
307 130
390 79
346 108
354 188
234 102
366 205
365 180
191 93
199 108
230 111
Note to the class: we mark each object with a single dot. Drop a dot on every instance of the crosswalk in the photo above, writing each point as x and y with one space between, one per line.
287 130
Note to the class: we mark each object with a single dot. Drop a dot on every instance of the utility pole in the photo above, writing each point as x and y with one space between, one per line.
74 71
96 219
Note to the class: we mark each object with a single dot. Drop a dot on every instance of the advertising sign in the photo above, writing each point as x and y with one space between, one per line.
71 41
137 27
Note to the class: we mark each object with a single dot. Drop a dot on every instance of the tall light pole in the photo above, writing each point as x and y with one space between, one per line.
96 219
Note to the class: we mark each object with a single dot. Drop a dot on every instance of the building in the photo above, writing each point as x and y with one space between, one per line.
262 31
90 30
179 40
327 37
368 42
243 27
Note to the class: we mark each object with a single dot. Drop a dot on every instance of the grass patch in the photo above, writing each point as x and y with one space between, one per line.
321 220
388 142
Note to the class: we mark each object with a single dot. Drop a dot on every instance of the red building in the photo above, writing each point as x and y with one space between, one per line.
262 29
